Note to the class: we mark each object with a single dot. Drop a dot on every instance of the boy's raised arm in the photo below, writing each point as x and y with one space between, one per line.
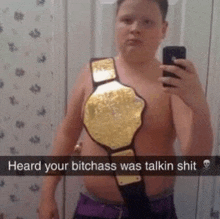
191 114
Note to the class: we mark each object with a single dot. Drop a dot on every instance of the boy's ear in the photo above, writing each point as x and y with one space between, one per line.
165 29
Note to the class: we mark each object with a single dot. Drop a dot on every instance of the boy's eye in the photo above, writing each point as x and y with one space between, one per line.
127 20
148 22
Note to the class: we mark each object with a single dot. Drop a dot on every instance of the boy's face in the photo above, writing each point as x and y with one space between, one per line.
139 29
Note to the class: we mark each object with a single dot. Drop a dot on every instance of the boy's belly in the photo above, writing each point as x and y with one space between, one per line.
105 187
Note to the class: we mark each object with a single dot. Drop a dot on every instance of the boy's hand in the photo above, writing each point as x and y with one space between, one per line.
48 209
188 87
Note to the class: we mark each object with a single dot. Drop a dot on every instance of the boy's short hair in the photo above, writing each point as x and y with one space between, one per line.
163 5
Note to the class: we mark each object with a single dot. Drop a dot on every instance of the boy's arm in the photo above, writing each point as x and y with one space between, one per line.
68 132
193 128
190 110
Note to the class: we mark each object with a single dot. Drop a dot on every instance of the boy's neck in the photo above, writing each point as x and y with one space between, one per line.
137 65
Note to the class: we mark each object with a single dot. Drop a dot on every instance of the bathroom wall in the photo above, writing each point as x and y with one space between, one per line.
29 100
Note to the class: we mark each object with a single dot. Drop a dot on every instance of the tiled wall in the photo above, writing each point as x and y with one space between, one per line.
26 97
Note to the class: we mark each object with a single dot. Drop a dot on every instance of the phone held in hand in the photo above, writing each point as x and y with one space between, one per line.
170 53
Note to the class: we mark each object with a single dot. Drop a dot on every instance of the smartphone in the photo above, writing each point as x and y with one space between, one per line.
170 53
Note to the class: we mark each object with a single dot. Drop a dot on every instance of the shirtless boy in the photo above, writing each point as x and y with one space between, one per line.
171 112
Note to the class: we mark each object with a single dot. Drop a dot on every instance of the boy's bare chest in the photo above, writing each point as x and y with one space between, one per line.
157 113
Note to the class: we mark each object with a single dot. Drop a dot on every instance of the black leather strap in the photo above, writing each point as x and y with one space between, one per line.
136 200
134 195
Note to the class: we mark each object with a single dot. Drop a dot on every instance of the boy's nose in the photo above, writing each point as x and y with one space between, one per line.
136 27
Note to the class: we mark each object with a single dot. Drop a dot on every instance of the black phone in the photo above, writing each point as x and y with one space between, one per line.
170 53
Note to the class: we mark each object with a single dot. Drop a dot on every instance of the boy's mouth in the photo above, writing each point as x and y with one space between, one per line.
133 42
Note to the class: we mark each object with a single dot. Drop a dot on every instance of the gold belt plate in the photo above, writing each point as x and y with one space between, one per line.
125 180
113 114
103 70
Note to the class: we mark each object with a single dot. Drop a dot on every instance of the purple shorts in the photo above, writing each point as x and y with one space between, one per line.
88 208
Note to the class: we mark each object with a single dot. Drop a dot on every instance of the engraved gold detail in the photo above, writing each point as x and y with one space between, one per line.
113 114
125 180
103 70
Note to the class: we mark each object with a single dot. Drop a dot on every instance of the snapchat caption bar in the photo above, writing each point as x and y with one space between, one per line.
42 165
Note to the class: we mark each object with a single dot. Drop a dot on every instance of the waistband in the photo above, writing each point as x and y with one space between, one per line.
91 208
167 192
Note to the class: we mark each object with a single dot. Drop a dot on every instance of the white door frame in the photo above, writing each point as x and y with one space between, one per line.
210 186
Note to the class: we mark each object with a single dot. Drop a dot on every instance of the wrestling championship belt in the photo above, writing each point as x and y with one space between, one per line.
112 117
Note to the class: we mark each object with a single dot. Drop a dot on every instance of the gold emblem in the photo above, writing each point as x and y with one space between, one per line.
113 114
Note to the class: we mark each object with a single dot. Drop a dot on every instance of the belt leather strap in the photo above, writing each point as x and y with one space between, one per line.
112 117
136 200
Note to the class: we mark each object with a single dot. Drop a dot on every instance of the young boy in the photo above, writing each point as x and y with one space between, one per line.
180 111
